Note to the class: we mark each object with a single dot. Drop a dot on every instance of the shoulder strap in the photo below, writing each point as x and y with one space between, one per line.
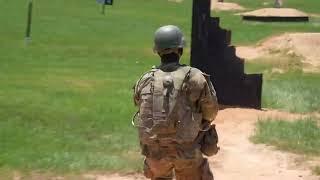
158 98
187 71
186 77
143 81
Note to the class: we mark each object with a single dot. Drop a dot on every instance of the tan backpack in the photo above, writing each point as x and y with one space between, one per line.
165 114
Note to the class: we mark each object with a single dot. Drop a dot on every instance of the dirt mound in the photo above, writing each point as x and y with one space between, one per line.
177 1
276 12
225 6
306 46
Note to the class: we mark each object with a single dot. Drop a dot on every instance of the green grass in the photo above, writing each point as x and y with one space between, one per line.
316 170
292 90
301 136
65 99
248 32
279 61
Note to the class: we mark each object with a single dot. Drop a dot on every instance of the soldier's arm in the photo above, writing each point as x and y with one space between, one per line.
136 97
208 100
203 95
142 82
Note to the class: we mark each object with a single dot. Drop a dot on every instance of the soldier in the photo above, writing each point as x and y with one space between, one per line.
177 104
278 3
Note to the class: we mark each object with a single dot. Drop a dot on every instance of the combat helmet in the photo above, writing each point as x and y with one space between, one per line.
168 39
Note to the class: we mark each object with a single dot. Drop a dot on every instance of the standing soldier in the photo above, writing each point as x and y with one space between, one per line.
278 3
177 104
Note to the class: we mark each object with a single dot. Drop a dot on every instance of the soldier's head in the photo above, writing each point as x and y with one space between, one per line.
169 41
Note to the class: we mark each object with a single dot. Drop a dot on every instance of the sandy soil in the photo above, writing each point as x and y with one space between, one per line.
276 12
242 160
306 46
225 6
239 158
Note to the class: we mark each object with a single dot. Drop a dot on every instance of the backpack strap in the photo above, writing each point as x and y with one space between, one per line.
158 98
158 92
141 83
186 77
186 70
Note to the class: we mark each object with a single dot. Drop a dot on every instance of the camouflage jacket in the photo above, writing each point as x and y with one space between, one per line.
201 93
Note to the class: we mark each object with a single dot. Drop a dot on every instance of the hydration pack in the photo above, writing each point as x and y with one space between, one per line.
165 113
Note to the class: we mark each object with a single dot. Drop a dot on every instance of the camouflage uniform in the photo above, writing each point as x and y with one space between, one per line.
185 159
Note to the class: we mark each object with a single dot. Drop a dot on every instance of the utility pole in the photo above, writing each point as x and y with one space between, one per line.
29 22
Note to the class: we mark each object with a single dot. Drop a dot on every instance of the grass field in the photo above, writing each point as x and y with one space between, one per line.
292 91
301 136
65 99
316 170
245 33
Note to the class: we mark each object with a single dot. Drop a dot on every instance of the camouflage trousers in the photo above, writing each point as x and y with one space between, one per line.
183 169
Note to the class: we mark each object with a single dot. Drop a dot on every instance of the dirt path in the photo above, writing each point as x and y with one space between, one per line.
239 158
242 160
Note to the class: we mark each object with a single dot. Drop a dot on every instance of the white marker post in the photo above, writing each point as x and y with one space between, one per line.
29 22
